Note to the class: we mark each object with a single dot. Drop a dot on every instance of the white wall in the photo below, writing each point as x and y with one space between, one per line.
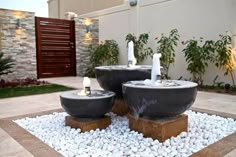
40 7
193 18
58 8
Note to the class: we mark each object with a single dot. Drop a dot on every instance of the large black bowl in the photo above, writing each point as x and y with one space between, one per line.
110 78
153 101
94 106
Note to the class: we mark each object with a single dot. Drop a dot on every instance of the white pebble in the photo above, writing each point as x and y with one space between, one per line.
118 140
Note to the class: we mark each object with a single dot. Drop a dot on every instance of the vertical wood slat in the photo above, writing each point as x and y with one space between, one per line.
56 45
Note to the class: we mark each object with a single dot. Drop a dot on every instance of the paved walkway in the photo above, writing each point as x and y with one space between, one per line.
211 102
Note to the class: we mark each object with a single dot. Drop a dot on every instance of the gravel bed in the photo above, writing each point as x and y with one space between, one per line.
118 140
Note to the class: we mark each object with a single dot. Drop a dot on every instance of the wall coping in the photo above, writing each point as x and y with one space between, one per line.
17 10
144 3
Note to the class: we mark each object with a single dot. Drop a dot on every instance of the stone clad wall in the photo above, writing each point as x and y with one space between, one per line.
83 40
18 43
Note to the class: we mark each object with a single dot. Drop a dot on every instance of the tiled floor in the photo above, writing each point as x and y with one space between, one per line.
222 104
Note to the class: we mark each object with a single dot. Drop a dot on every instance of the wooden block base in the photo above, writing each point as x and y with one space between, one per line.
161 129
120 107
88 124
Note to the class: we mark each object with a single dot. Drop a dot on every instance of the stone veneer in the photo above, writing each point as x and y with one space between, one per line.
83 40
18 43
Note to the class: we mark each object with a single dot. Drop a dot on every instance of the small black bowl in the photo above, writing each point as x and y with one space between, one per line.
94 106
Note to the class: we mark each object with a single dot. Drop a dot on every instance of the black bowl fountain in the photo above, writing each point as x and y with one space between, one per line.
156 106
110 78
94 105
87 108
165 98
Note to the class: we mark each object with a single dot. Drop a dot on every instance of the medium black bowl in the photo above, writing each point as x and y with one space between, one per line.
153 102
110 78
94 106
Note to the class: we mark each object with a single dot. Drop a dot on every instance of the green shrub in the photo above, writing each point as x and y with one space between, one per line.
106 53
197 57
6 65
165 46
224 56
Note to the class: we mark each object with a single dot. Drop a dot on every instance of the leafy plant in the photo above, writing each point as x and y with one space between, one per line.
106 53
141 50
166 46
197 57
6 65
224 55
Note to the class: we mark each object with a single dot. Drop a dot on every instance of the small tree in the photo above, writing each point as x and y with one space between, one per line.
106 53
197 57
141 50
166 46
224 56
6 65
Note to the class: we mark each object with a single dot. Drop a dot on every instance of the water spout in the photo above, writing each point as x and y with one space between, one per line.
156 68
86 87
131 58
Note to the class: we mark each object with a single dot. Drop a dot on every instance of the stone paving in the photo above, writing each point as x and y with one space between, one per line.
221 104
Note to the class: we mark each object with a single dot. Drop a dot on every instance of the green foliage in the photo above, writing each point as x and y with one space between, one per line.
31 90
106 53
141 50
5 65
197 57
224 55
165 46
219 53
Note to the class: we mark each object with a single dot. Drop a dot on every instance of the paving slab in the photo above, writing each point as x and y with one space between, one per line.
29 104
11 148
215 103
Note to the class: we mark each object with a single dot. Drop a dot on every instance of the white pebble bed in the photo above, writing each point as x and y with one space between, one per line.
118 140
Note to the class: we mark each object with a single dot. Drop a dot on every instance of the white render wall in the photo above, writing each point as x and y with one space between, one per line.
193 18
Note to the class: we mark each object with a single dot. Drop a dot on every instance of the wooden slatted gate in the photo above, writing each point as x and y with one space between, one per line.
55 42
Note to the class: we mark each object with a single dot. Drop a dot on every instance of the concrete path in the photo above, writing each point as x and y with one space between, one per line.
210 102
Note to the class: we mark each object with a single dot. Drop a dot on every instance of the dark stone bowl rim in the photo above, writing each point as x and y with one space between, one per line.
124 67
127 84
70 95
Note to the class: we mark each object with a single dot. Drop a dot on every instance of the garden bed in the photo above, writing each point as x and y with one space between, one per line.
23 87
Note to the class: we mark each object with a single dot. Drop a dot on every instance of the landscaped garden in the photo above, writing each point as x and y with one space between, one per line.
128 135
170 107
72 133
23 87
